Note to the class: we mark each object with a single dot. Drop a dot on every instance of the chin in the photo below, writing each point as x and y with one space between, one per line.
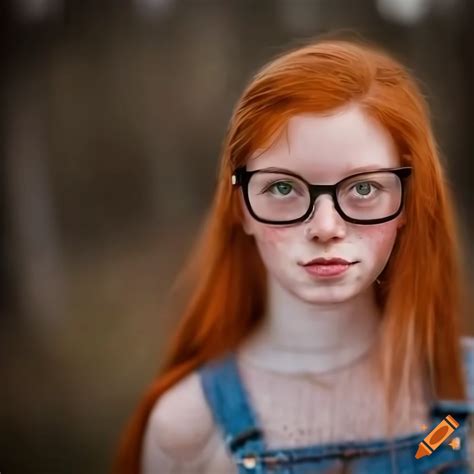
326 295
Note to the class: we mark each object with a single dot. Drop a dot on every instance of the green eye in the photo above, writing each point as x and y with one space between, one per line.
363 188
283 187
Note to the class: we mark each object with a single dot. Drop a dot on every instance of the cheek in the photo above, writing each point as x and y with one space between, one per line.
379 240
273 242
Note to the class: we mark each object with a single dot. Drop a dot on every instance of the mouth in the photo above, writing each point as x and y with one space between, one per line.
327 267
329 261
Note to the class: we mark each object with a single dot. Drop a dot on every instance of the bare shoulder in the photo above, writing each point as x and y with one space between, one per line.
180 424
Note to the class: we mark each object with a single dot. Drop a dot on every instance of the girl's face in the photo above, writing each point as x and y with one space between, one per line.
323 150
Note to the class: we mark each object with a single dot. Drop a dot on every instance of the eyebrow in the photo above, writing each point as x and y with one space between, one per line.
373 167
278 170
358 169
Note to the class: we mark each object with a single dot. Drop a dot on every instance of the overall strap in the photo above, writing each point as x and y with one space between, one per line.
462 407
230 405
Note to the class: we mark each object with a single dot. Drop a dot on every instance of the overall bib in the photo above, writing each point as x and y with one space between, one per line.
229 402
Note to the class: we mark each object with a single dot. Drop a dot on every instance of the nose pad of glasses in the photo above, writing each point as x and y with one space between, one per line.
311 214
315 204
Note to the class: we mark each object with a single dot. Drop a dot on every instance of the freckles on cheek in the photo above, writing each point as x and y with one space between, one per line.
379 239
271 239
273 234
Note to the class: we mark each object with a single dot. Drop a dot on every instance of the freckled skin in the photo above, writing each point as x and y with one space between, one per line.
325 149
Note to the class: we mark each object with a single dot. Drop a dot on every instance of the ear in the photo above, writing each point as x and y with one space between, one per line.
402 221
246 227
246 222
246 218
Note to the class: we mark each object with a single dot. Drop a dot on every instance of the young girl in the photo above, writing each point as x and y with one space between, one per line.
323 332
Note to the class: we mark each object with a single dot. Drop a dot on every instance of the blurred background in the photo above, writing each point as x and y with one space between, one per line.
114 113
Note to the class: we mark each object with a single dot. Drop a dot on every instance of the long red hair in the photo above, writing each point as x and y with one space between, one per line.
421 286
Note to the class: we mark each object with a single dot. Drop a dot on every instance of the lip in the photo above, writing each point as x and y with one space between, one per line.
328 261
327 267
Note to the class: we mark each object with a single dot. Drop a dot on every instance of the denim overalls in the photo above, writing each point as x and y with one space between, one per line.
229 402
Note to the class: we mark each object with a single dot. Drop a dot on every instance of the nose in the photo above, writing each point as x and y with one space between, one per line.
324 223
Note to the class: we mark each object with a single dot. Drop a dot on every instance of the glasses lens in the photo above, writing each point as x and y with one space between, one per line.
370 196
278 196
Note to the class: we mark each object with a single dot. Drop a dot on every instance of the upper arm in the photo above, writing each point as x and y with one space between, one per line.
179 428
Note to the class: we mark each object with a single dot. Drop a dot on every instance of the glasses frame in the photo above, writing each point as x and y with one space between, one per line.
241 177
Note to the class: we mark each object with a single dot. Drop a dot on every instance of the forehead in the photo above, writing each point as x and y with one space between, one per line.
326 148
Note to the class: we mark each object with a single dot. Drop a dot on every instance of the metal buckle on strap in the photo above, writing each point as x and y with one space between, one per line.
249 461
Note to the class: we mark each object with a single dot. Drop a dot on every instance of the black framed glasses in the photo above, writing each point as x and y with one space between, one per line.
281 197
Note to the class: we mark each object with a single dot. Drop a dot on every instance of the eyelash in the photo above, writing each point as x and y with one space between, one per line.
269 184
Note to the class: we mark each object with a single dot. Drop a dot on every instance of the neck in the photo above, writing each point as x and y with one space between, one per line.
297 336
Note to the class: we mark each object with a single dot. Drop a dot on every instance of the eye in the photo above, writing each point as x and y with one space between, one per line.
283 187
365 188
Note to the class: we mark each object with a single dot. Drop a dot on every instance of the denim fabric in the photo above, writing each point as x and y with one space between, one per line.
228 399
